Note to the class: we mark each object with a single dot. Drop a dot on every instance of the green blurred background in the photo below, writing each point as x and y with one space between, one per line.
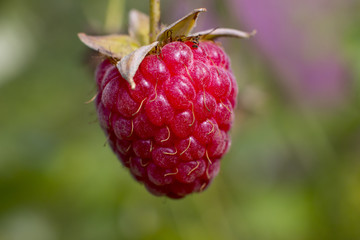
293 171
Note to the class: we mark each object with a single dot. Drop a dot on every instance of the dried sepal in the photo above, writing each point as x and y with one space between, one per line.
139 26
182 27
115 45
212 34
126 50
129 64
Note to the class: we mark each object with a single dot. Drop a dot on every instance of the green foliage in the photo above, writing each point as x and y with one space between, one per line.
292 173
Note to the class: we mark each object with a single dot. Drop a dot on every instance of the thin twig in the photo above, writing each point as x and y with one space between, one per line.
154 19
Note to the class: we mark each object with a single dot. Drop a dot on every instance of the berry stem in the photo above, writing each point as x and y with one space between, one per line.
154 19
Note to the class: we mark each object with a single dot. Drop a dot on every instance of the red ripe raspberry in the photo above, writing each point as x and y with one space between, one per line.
172 129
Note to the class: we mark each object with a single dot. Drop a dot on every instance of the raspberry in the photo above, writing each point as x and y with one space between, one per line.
171 130
166 100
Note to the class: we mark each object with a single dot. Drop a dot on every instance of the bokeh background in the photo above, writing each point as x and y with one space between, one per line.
293 171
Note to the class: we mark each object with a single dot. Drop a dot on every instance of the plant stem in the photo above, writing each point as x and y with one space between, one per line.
154 19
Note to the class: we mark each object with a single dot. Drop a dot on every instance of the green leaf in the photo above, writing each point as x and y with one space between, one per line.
116 46
182 27
139 26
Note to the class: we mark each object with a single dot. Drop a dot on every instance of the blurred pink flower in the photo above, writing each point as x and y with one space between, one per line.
300 39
